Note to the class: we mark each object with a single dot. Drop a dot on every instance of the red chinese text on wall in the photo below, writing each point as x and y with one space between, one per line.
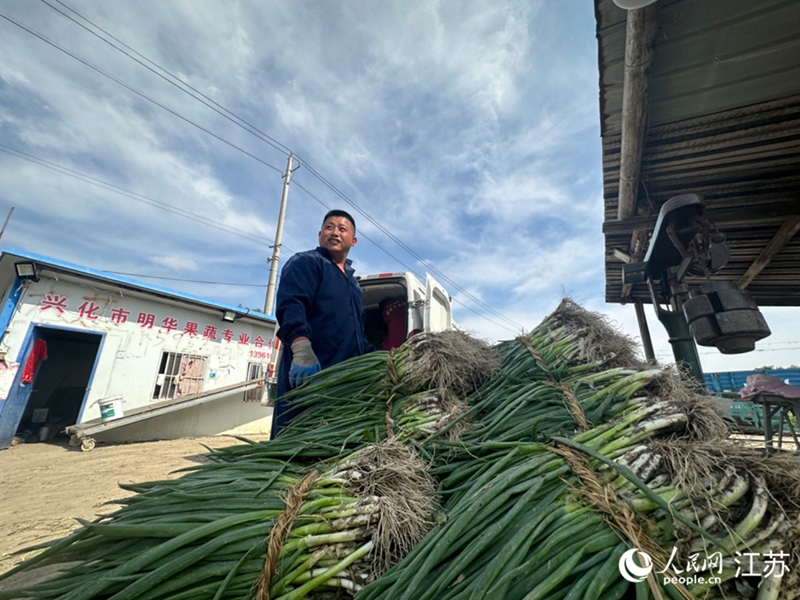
88 309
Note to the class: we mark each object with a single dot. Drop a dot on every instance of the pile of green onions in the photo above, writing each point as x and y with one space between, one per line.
543 473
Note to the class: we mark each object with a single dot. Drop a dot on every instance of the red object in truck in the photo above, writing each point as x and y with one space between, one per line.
394 316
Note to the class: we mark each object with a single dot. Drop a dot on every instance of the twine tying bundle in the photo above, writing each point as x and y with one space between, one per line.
619 515
573 406
390 368
294 501
395 382
388 420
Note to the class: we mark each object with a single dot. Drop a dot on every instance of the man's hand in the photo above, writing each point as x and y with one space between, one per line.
304 362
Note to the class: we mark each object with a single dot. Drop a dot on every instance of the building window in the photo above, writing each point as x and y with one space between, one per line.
254 371
179 375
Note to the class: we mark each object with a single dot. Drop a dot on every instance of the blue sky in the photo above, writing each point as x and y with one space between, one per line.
467 129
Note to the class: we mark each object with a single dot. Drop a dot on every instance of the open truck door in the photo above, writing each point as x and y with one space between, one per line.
438 311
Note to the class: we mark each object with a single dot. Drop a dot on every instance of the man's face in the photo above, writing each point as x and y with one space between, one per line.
337 235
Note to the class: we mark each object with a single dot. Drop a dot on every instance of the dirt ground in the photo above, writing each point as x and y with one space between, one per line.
44 487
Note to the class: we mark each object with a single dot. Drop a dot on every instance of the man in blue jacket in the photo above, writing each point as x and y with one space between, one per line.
319 311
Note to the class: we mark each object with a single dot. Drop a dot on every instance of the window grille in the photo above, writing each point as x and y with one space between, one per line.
179 375
254 371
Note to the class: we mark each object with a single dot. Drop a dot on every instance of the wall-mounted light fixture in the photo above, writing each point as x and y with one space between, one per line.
229 316
633 4
26 270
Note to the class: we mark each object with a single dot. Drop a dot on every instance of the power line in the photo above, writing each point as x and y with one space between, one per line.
192 216
251 129
204 99
158 204
135 196
135 91
261 285
268 139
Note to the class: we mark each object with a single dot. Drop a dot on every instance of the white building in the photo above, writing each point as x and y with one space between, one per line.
172 358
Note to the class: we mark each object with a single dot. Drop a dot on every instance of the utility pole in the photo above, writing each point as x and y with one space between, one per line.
8 218
276 252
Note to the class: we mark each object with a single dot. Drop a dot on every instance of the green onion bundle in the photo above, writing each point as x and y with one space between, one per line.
542 408
740 501
370 511
426 413
345 409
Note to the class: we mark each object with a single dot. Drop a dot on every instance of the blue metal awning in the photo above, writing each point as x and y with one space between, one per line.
131 284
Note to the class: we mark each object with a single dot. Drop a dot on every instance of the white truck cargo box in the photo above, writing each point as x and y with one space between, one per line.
425 307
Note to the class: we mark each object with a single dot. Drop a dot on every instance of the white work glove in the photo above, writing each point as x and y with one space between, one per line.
304 363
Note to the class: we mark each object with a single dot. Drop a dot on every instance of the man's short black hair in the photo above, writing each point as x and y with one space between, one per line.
340 213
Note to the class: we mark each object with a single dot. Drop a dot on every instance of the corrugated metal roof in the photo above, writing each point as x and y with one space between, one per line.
724 122
128 283
710 56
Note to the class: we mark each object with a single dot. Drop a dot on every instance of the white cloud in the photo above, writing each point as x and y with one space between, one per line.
174 262
517 195
475 51
521 267
11 76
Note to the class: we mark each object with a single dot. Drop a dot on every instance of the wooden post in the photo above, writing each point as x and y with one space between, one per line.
639 36
644 331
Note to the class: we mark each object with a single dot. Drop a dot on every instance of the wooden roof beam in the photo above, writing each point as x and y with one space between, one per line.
785 233
639 36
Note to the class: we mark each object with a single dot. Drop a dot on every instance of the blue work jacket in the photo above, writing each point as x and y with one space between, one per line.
318 301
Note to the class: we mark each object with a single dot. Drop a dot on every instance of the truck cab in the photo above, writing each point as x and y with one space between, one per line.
397 306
